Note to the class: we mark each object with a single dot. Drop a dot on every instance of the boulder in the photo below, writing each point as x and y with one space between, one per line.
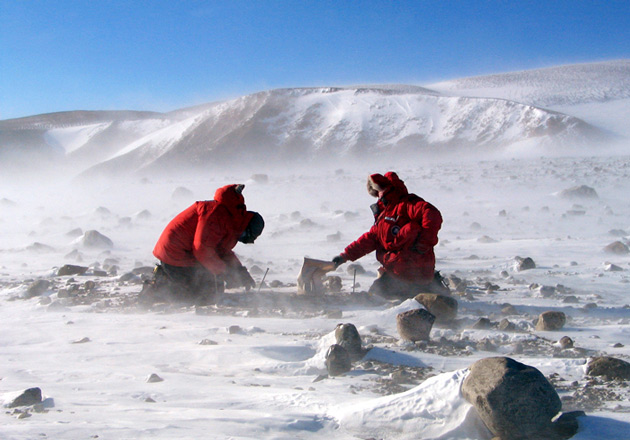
337 360
443 307
348 337
609 368
551 320
515 401
415 325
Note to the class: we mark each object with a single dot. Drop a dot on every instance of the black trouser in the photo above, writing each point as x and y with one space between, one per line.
193 280
391 287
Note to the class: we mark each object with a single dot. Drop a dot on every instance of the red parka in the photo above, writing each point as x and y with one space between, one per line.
206 232
404 232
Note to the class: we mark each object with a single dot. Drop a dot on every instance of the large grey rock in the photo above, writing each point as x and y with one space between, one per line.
443 307
514 400
609 368
550 321
415 325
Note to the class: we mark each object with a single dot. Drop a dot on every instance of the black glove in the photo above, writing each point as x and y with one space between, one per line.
239 277
338 260
246 278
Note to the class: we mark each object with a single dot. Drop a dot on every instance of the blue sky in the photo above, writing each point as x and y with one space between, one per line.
162 55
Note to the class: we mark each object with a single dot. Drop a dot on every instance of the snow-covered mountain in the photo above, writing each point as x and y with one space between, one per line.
493 113
596 92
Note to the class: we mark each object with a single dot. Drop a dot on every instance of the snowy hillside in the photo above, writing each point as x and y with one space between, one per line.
294 125
599 93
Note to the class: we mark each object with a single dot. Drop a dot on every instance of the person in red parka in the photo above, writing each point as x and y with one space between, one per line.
195 248
404 233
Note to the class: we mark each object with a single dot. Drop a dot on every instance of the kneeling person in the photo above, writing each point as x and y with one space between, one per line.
195 248
404 233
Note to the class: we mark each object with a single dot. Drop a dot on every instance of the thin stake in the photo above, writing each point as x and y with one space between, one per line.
354 280
263 280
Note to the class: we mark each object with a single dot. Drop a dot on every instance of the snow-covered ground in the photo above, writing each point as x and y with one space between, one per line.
245 370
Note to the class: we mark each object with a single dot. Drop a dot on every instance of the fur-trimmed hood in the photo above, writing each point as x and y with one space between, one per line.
388 187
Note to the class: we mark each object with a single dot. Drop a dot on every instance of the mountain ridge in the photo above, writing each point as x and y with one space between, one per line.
308 123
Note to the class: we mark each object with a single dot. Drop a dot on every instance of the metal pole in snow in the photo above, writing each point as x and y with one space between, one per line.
263 280
354 280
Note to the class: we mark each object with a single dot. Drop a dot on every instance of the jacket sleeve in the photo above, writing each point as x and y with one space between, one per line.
430 221
361 246
209 233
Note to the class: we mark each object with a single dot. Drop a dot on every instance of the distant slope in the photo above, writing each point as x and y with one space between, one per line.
481 115
598 93
329 123
554 86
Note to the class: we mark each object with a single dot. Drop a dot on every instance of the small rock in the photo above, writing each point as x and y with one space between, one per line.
565 342
524 263
443 307
30 396
609 368
482 324
234 330
617 247
551 320
506 326
415 325
82 341
337 360
348 337
579 192
153 378
70 269
37 288
612 268
207 342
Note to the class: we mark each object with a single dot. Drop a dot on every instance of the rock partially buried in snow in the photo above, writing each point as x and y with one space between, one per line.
94 239
154 378
31 396
617 247
551 320
37 288
337 360
524 263
579 192
181 193
415 325
70 269
514 400
443 307
609 367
